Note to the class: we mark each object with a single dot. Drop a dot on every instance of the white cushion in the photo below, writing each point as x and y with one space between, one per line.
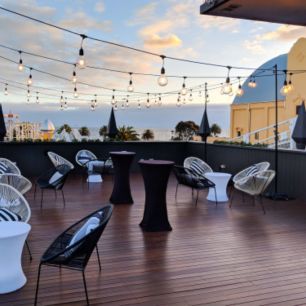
56 176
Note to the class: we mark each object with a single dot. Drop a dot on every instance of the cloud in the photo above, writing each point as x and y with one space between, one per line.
156 41
254 46
99 7
80 21
284 33
143 14
221 23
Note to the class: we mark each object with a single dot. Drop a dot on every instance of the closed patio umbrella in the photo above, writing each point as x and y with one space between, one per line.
2 125
299 131
112 130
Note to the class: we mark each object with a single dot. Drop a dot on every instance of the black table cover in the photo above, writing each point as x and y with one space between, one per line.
155 174
122 191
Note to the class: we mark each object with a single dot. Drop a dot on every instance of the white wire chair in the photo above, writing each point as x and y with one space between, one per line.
13 200
189 160
12 167
19 182
58 160
245 172
255 185
84 156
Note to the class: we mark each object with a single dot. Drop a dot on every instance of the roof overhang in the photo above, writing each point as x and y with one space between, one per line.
278 11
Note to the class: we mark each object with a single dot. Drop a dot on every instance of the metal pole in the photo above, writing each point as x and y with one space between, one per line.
276 130
205 145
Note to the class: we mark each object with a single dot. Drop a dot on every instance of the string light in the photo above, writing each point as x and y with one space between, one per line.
61 107
20 65
162 79
190 96
139 105
130 87
113 98
184 90
127 101
28 100
28 91
30 80
159 100
62 97
148 101
290 85
66 103
95 101
240 91
75 94
93 105
81 61
37 97
178 102
5 90
285 90
252 82
227 87
74 78
115 107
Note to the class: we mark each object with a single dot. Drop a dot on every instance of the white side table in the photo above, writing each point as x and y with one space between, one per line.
221 180
12 238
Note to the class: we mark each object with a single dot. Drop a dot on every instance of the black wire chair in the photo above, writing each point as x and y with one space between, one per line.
44 181
186 178
76 256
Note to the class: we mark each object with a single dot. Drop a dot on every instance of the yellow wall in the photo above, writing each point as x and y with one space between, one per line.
249 117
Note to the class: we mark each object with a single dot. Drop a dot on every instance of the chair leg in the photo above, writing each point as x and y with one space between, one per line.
196 203
42 198
63 196
29 251
232 198
261 204
85 287
176 190
216 199
37 284
35 187
98 255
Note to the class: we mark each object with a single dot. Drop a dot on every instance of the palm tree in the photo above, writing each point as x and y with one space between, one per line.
147 135
65 127
215 129
84 131
127 133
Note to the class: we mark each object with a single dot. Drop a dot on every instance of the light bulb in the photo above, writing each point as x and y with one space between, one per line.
75 92
30 81
285 90
127 103
162 79
130 87
190 96
115 107
227 87
37 98
28 93
81 61
254 85
184 89
28 100
148 101
62 107
159 100
5 90
240 91
148 105
122 106
221 89
290 86
20 65
74 78
65 105
139 106
250 83
178 103
113 98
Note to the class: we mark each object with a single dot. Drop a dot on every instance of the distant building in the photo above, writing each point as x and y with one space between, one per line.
19 131
253 112
47 130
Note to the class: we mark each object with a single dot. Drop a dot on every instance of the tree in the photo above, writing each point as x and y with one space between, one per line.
215 129
185 130
84 131
65 127
127 133
147 135
103 131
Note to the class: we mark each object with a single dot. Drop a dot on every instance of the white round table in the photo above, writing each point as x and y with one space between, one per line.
12 238
221 180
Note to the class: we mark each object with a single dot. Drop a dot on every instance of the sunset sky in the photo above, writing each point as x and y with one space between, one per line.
173 28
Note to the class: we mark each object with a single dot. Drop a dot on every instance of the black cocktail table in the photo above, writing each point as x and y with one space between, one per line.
122 192
155 174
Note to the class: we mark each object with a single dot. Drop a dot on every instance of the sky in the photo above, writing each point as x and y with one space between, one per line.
170 27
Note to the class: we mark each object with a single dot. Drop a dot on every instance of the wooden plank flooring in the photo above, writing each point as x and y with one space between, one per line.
213 256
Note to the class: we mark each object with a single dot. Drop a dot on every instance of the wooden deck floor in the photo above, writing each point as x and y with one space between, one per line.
213 256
